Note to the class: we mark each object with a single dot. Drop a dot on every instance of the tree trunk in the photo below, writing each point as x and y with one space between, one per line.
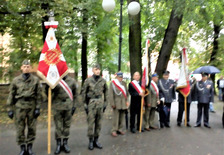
135 42
168 42
84 48
217 29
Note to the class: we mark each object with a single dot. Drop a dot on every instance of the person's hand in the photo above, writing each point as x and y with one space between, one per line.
87 110
127 104
36 112
142 94
73 110
113 106
149 105
10 114
158 102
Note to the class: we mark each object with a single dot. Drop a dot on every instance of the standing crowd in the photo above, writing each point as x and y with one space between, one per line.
25 98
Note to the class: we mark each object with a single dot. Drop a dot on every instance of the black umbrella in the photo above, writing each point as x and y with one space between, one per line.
207 69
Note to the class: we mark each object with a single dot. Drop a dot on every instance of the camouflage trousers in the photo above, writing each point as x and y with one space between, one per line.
23 118
118 120
62 120
149 116
94 122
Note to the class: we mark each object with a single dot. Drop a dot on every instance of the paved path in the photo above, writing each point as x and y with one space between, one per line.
166 141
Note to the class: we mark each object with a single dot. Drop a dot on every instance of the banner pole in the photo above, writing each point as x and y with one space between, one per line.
185 108
49 120
141 114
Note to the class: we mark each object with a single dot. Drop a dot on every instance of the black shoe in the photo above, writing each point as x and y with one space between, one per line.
188 125
179 124
161 125
212 111
29 149
97 144
133 130
207 126
197 125
91 144
65 145
58 147
167 125
23 150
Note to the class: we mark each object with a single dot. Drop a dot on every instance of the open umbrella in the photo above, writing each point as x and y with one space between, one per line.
206 69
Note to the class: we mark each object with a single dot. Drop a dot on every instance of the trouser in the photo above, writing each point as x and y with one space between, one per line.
118 120
181 110
23 118
205 108
164 118
62 120
149 116
94 122
220 94
135 110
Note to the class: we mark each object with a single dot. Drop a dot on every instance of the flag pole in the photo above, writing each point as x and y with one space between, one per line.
185 108
49 120
141 114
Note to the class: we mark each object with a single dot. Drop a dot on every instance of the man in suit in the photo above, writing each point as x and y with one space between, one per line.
119 102
151 100
204 95
167 95
134 88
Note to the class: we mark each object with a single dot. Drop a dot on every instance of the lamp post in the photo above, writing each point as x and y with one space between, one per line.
133 9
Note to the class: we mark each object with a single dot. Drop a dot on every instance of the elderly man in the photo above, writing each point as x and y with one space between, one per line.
204 95
24 102
119 102
134 88
95 98
151 100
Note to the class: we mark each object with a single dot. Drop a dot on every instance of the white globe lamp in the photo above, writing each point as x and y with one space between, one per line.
108 5
133 8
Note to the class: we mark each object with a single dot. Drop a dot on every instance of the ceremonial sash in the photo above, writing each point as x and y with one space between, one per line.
67 89
155 87
137 86
120 87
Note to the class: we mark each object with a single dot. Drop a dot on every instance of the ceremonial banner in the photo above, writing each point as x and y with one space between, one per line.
52 65
183 84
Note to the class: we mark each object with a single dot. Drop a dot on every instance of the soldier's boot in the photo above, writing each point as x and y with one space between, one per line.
91 144
97 144
65 145
58 147
23 149
29 149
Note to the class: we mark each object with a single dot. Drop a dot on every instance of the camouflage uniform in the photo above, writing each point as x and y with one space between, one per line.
95 96
62 107
24 98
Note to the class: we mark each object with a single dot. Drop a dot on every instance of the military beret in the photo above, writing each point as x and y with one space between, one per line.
166 72
204 74
119 74
26 62
154 75
96 66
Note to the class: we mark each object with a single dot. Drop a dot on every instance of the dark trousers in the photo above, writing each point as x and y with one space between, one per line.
205 108
135 109
181 111
163 118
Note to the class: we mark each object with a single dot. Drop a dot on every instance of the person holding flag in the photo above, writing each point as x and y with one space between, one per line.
24 105
64 108
118 99
136 92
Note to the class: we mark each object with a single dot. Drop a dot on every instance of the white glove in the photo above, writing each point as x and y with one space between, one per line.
210 103
162 99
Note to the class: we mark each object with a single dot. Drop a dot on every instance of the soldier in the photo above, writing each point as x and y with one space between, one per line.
64 108
95 97
167 95
24 102
134 88
119 103
204 95
151 100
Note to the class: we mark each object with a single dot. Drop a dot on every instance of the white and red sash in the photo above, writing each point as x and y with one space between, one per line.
120 87
67 89
137 86
154 85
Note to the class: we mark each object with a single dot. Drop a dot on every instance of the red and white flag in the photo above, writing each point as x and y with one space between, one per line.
183 84
120 87
145 62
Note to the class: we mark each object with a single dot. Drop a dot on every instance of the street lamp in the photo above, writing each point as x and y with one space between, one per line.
133 9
